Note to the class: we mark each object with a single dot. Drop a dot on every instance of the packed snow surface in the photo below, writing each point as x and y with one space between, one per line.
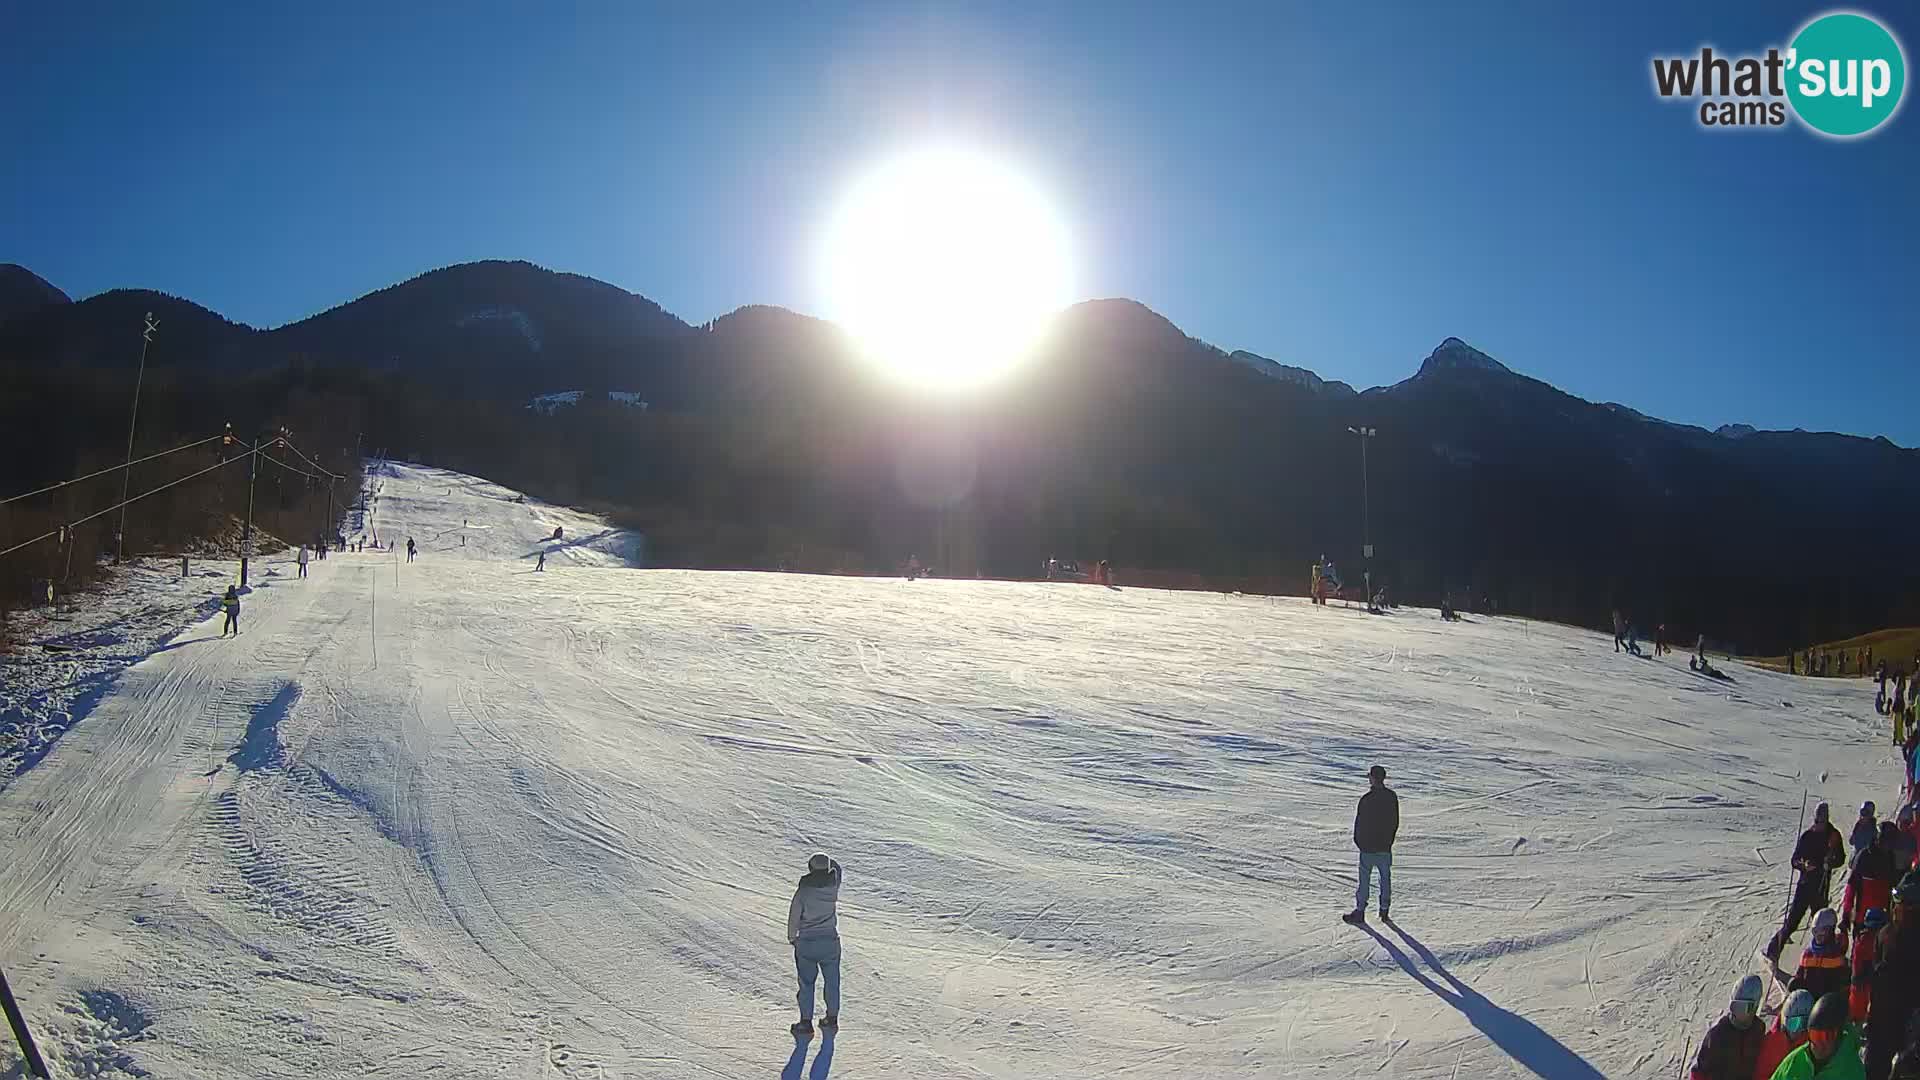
459 818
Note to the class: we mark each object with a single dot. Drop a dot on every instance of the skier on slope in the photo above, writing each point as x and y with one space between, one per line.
303 560
1731 1047
814 932
409 549
1816 855
1375 825
1832 1049
1788 1031
1896 986
1823 964
230 603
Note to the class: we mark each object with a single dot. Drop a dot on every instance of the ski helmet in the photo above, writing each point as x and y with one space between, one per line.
1829 1013
1794 1014
1874 919
1866 808
1746 1000
1828 920
819 862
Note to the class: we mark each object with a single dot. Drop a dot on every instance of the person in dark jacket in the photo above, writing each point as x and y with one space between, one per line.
1865 828
1731 1047
1375 825
1896 989
1817 854
230 603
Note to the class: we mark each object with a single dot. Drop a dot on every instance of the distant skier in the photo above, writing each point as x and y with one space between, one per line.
556 532
1787 1034
542 564
303 560
410 549
1619 631
1375 825
813 930
1730 1050
231 604
1816 855
1823 963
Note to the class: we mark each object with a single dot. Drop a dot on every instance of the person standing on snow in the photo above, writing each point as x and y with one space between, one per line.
814 932
1817 854
1896 991
1730 1050
409 549
1375 824
1832 1049
1823 964
303 560
542 564
1866 946
1865 828
1906 840
1788 1033
230 603
1870 880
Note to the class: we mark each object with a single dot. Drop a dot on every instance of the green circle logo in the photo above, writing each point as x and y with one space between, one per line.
1846 74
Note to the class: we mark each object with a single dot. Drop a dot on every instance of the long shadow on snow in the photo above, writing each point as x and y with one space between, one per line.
822 1061
260 748
1519 1038
626 553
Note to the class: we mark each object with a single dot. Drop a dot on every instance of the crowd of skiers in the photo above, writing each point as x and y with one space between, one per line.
1852 1010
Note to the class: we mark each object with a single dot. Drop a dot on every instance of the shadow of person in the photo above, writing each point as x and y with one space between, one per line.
822 1062
1516 1036
799 1059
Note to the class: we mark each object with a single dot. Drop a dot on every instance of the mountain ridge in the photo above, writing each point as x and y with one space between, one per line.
489 323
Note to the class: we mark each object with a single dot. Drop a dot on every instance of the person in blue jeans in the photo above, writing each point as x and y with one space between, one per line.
1375 825
813 930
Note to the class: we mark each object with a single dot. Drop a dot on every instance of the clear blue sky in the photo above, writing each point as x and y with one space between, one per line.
1331 187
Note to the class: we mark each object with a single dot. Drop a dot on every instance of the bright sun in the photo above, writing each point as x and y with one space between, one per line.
946 265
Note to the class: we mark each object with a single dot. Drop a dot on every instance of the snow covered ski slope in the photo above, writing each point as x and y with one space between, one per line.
456 818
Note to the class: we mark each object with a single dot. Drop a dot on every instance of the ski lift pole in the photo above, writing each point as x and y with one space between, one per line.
35 1066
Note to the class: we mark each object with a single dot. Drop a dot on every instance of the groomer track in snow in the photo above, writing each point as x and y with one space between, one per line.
461 818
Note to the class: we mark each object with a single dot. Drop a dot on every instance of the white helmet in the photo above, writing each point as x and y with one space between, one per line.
1796 1012
1746 1001
1827 919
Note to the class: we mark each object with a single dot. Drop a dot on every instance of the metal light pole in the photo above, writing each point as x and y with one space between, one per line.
1366 435
246 534
126 471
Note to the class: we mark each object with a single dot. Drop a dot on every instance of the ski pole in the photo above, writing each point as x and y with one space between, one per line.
35 1067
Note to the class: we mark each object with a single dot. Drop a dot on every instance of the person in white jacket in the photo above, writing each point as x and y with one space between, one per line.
814 931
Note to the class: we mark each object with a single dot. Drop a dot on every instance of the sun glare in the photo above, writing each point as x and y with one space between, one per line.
946 266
